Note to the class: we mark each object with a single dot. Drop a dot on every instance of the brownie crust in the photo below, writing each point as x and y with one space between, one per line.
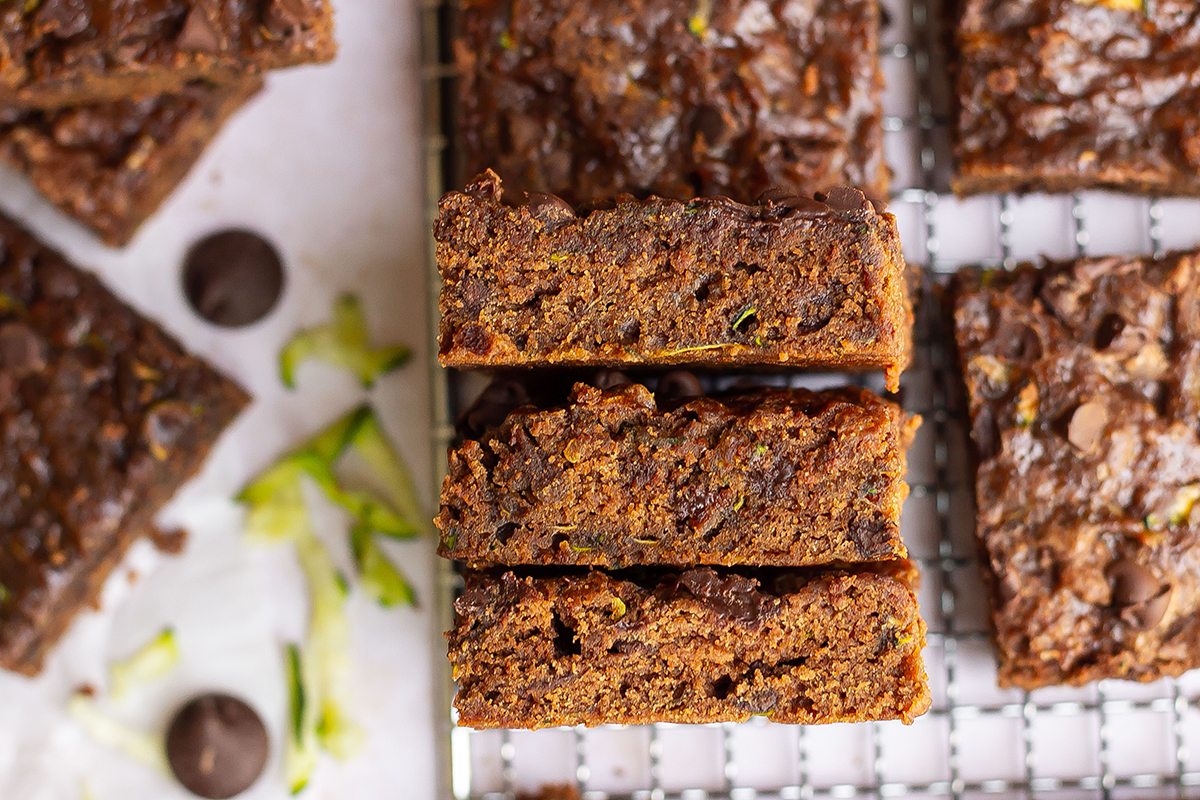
766 477
57 53
532 651
1062 95
1084 387
589 99
111 165
104 416
789 282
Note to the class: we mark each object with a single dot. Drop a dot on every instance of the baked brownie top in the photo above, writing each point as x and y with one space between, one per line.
63 42
103 416
589 98
1068 92
1084 384
110 164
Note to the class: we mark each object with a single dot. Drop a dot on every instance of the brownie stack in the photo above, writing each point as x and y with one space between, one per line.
635 556
105 106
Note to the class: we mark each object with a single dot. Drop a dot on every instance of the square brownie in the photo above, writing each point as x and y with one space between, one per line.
537 649
618 477
111 165
788 281
56 53
589 98
103 417
1060 95
1084 387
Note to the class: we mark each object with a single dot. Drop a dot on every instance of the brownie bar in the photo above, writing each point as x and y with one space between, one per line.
592 98
766 477
103 416
700 646
788 282
111 165
1084 386
1060 95
56 53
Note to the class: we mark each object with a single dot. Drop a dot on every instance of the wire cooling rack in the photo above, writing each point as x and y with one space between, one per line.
1109 740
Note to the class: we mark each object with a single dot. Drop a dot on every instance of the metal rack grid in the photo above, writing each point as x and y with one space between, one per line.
1109 740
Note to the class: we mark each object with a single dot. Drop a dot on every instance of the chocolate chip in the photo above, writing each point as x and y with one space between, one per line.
495 403
1145 615
1109 329
607 379
22 352
798 204
62 18
732 596
986 434
217 746
233 278
284 16
540 203
164 425
678 385
198 35
1019 342
848 201
1086 425
1131 583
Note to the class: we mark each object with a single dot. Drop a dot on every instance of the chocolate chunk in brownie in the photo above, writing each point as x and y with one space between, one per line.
532 650
768 477
111 165
103 416
1060 95
1084 386
789 281
58 53
591 98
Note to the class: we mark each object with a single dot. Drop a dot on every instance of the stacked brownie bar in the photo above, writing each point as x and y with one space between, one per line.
634 556
105 106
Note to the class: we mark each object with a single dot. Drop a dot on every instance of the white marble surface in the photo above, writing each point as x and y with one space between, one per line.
326 163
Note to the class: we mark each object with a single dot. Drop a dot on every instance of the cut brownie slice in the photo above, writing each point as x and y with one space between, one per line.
103 417
111 165
766 477
531 651
1084 385
57 53
790 281
1059 95
591 98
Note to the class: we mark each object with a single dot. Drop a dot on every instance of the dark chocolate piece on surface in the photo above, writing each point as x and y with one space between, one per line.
664 282
769 476
217 746
591 98
103 417
60 54
233 278
112 165
1063 95
1084 387
798 646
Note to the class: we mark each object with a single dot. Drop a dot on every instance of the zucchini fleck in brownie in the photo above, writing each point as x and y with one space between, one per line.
783 477
593 648
103 417
1060 95
789 281
589 98
1084 386
111 165
56 53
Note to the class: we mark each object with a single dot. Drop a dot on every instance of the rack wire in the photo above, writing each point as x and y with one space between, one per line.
1110 740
